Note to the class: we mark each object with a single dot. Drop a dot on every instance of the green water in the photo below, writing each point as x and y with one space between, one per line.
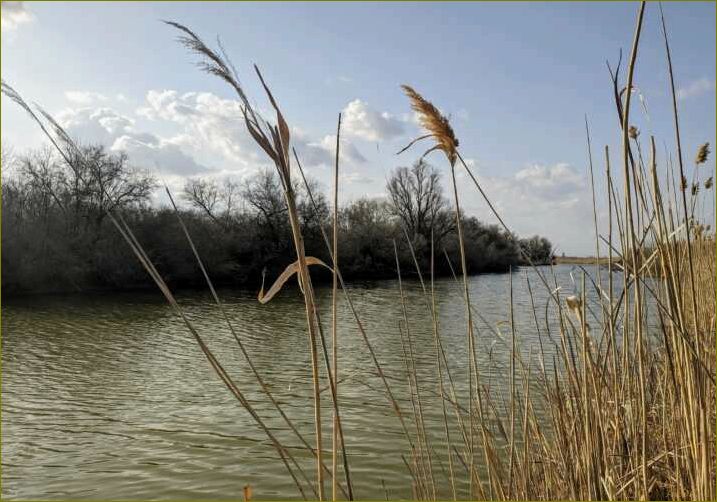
108 396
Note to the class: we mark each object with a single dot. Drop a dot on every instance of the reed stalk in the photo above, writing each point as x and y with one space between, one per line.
334 320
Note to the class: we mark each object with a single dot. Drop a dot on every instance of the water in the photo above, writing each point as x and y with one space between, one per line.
108 396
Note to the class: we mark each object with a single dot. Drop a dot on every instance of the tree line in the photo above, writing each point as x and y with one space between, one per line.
56 237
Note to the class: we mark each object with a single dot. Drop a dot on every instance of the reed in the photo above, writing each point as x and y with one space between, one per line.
334 318
656 437
621 407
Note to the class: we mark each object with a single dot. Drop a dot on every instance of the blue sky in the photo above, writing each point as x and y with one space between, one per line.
516 79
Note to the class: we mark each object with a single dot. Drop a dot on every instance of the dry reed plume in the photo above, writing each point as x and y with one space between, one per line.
435 123
702 154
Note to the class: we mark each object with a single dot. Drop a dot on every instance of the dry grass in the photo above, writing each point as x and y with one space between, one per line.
624 409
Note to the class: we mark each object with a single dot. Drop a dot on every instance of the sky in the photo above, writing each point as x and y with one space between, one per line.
517 80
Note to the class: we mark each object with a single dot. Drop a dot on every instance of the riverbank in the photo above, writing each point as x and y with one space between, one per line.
584 260
319 277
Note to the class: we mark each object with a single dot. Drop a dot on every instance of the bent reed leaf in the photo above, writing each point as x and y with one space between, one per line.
288 272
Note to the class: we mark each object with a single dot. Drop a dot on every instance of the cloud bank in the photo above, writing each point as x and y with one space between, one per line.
361 121
14 14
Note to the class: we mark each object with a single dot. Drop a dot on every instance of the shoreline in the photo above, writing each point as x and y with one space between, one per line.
246 287
584 260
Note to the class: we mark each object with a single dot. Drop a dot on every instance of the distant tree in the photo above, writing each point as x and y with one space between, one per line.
230 196
488 247
264 195
203 195
416 199
366 245
366 213
219 200
7 157
55 238
111 182
539 249
55 235
93 183
262 192
311 216
45 182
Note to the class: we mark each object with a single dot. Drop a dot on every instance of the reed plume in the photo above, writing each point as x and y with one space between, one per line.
702 154
574 303
435 123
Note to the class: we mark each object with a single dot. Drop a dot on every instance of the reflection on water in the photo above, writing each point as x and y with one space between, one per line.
107 396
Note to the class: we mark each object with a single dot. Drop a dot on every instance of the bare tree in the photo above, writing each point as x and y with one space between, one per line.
44 178
93 182
264 194
416 198
109 181
219 200
230 195
203 194
312 214
81 188
8 159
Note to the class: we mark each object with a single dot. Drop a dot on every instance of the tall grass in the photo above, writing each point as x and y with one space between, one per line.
623 409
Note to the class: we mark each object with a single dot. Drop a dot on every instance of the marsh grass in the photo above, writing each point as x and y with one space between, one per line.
618 410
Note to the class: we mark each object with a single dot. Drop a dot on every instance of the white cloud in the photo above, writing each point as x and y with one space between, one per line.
361 121
207 135
162 155
170 105
323 153
313 154
555 185
209 125
84 97
552 201
116 131
95 125
696 88
540 187
13 14
347 151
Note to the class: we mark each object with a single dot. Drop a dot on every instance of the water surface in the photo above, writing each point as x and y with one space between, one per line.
108 396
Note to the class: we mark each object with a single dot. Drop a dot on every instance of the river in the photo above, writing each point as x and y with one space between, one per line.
108 395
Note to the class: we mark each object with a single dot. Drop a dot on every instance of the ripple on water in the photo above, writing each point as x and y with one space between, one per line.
107 396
